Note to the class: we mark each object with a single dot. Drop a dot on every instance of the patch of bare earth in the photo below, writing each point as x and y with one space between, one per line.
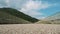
30 29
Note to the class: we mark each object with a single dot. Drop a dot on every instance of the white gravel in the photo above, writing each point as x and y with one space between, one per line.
30 29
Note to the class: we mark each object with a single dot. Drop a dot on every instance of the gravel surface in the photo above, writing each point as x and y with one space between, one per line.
30 29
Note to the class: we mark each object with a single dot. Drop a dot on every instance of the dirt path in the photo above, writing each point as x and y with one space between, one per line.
30 29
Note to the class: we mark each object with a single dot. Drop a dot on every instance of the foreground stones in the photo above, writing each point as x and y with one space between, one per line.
30 29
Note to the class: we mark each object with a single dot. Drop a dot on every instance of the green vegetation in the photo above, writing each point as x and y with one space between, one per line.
14 16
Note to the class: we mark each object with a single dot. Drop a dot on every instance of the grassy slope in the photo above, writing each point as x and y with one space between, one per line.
8 18
19 14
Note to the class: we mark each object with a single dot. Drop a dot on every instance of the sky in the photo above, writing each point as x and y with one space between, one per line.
39 9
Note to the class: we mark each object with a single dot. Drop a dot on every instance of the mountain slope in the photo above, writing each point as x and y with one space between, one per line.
9 15
6 18
54 16
53 19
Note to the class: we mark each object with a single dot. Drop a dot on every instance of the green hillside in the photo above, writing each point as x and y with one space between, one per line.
9 15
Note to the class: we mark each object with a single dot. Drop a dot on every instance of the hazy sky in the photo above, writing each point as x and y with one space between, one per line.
35 8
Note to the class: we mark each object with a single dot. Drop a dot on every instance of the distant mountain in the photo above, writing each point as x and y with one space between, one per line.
10 15
54 16
53 19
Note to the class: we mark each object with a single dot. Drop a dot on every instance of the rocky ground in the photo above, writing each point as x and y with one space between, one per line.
30 29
